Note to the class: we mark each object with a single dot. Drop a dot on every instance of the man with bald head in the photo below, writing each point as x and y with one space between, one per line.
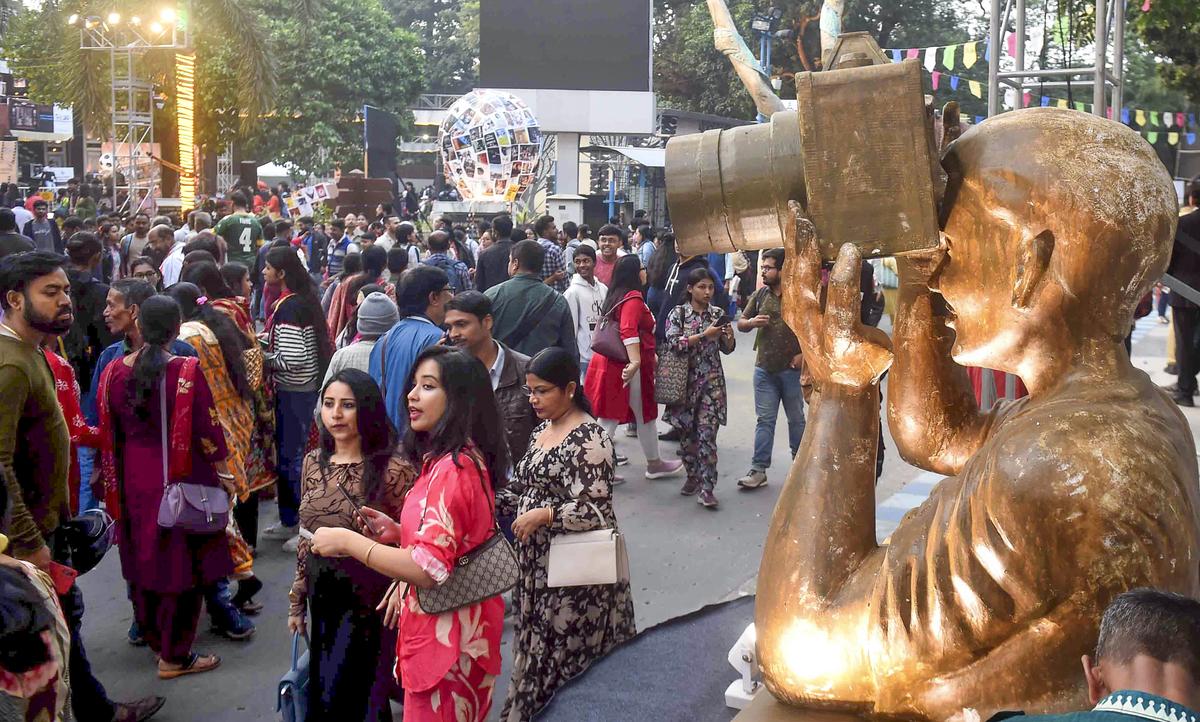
986 596
164 250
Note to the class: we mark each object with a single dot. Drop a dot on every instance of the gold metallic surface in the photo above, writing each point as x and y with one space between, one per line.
859 140
1056 223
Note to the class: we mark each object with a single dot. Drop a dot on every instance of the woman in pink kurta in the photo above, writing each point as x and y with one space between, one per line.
448 662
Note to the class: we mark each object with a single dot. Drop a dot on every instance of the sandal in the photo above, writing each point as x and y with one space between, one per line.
195 664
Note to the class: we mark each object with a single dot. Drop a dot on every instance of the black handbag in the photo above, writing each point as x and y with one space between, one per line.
488 570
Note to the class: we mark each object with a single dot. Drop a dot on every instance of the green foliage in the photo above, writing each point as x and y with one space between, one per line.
448 33
690 74
354 57
1170 29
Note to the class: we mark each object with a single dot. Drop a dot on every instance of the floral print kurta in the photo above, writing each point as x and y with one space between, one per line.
561 631
703 409
447 663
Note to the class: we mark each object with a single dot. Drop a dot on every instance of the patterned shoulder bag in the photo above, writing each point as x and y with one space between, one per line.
488 570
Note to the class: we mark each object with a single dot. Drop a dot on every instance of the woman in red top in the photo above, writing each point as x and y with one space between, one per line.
82 434
621 393
448 662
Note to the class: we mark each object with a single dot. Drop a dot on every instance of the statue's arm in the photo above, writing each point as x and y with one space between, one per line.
932 412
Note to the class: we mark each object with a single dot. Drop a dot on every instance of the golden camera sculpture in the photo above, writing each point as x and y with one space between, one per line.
1049 228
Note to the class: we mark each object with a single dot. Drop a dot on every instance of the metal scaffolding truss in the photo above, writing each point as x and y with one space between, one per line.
1101 75
132 99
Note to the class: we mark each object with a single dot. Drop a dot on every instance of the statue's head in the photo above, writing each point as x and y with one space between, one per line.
1056 222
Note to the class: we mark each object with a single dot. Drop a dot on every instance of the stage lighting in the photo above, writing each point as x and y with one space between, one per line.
167 15
135 21
91 22
114 18
73 20
157 28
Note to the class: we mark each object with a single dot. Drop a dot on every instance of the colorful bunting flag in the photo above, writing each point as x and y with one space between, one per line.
1154 117
1125 116
969 54
1045 102
979 119
948 56
1012 44
1168 119
1172 138
1191 118
930 58
987 50
897 56
954 82
936 77
976 88
1140 116
1179 119
1079 106
1062 103
913 53
1191 138
1152 136
1109 112
1026 99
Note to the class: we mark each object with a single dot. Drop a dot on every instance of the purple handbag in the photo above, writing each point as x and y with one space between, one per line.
191 508
606 341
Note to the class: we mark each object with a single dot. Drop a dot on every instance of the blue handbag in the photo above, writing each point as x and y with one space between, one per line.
292 702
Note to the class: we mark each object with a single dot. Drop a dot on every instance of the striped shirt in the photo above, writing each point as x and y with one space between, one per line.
294 354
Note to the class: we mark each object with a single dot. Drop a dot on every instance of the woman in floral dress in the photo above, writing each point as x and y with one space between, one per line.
447 662
565 482
693 329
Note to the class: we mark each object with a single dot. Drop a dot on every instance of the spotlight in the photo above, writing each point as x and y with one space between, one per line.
73 20
114 18
167 15
135 21
91 22
156 27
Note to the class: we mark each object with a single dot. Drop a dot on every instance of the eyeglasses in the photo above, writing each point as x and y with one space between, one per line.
539 392
146 275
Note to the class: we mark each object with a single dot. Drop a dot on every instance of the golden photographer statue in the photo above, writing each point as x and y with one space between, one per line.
1053 224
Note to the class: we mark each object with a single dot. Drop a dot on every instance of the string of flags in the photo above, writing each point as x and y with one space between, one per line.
1174 124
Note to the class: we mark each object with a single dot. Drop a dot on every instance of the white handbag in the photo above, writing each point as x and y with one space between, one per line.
587 557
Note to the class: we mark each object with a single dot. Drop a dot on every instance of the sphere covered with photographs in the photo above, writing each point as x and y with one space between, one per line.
490 146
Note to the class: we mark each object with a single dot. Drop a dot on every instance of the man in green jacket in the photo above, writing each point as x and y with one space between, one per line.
530 315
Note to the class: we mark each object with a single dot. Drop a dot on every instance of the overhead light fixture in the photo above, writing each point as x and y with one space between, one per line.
114 18
167 15
91 22
73 19
135 20
157 28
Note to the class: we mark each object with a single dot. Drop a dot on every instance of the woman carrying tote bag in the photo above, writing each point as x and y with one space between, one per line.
566 487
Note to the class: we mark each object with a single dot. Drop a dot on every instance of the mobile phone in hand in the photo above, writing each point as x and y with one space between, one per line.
357 510
723 321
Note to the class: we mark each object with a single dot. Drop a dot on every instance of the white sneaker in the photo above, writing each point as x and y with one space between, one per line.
279 531
291 545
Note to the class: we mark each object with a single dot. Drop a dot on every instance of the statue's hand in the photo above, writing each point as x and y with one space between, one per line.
838 348
916 268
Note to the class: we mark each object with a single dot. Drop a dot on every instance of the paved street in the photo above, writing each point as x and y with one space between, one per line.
683 557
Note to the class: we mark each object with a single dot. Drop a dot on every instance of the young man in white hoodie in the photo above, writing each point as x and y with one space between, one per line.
585 297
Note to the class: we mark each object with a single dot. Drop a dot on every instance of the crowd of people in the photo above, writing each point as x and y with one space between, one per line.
403 396
406 398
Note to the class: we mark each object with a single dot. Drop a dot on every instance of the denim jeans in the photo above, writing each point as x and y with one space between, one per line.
293 416
87 464
769 390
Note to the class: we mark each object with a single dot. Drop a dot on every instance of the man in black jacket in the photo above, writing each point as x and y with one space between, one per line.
491 268
10 240
469 320
1185 266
